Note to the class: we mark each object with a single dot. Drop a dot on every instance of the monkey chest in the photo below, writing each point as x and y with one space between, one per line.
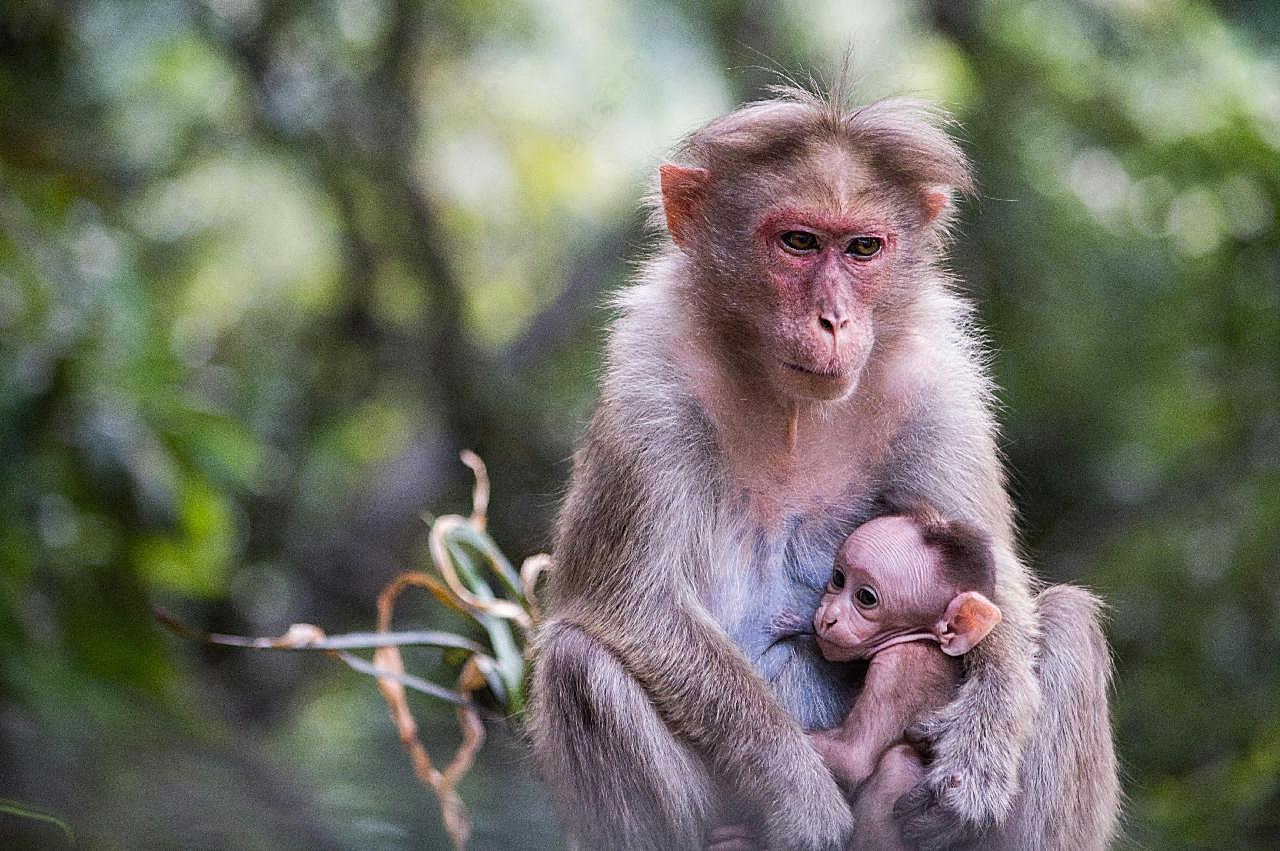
767 586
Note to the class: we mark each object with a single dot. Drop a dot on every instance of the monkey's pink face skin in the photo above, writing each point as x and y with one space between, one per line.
841 641
825 271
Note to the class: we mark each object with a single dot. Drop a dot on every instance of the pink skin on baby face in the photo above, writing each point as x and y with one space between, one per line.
884 591
887 588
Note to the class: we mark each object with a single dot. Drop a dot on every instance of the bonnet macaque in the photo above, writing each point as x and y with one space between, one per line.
908 595
793 350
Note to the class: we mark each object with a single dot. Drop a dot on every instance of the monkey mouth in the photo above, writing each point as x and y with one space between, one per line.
833 651
824 372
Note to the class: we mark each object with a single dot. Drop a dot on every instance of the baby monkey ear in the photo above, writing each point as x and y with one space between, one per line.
682 191
970 616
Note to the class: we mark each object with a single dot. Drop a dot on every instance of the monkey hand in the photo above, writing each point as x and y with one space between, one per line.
966 790
814 817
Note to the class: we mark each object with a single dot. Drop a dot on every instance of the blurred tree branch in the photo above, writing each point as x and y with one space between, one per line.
582 291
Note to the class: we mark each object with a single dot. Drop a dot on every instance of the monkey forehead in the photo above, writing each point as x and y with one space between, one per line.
889 526
839 171
824 174
830 187
886 547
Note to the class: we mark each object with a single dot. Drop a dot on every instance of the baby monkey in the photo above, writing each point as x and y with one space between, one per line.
910 595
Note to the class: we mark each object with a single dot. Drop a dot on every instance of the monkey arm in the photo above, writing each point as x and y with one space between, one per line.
902 683
977 739
708 696
627 546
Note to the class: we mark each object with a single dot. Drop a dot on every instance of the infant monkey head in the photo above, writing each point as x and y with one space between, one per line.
898 579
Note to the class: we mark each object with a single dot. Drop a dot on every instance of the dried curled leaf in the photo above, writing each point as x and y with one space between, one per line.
460 552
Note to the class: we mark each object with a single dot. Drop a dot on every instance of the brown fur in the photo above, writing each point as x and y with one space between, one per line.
966 557
713 487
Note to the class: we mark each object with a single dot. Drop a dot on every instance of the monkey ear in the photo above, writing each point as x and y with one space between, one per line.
969 618
933 200
682 189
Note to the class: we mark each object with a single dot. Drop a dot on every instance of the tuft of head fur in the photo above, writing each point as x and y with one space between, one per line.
967 556
966 553
905 140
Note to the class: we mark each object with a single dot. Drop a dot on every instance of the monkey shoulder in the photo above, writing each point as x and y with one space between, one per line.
647 406
943 447
643 477
941 357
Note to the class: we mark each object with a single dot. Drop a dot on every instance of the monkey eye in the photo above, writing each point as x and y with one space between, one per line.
837 579
864 246
799 240
866 596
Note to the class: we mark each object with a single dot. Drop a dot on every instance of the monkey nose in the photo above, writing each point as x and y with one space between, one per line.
833 321
830 623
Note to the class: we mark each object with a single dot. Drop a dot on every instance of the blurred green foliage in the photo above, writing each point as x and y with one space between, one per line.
266 267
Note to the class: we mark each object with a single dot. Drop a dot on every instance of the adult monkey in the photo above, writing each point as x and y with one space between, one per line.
793 356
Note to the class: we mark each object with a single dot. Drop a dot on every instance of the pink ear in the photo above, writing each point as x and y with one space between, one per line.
934 200
681 197
970 616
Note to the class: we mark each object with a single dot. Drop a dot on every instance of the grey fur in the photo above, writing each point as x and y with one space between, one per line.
670 675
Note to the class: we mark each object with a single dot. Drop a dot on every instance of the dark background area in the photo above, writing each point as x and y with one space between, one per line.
265 268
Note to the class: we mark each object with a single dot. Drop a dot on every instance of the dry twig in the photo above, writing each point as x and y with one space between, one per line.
458 585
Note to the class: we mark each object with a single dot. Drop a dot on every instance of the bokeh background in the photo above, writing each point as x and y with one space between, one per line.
265 267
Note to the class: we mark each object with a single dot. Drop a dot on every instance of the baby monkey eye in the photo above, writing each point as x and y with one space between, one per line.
864 246
837 579
866 596
799 240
